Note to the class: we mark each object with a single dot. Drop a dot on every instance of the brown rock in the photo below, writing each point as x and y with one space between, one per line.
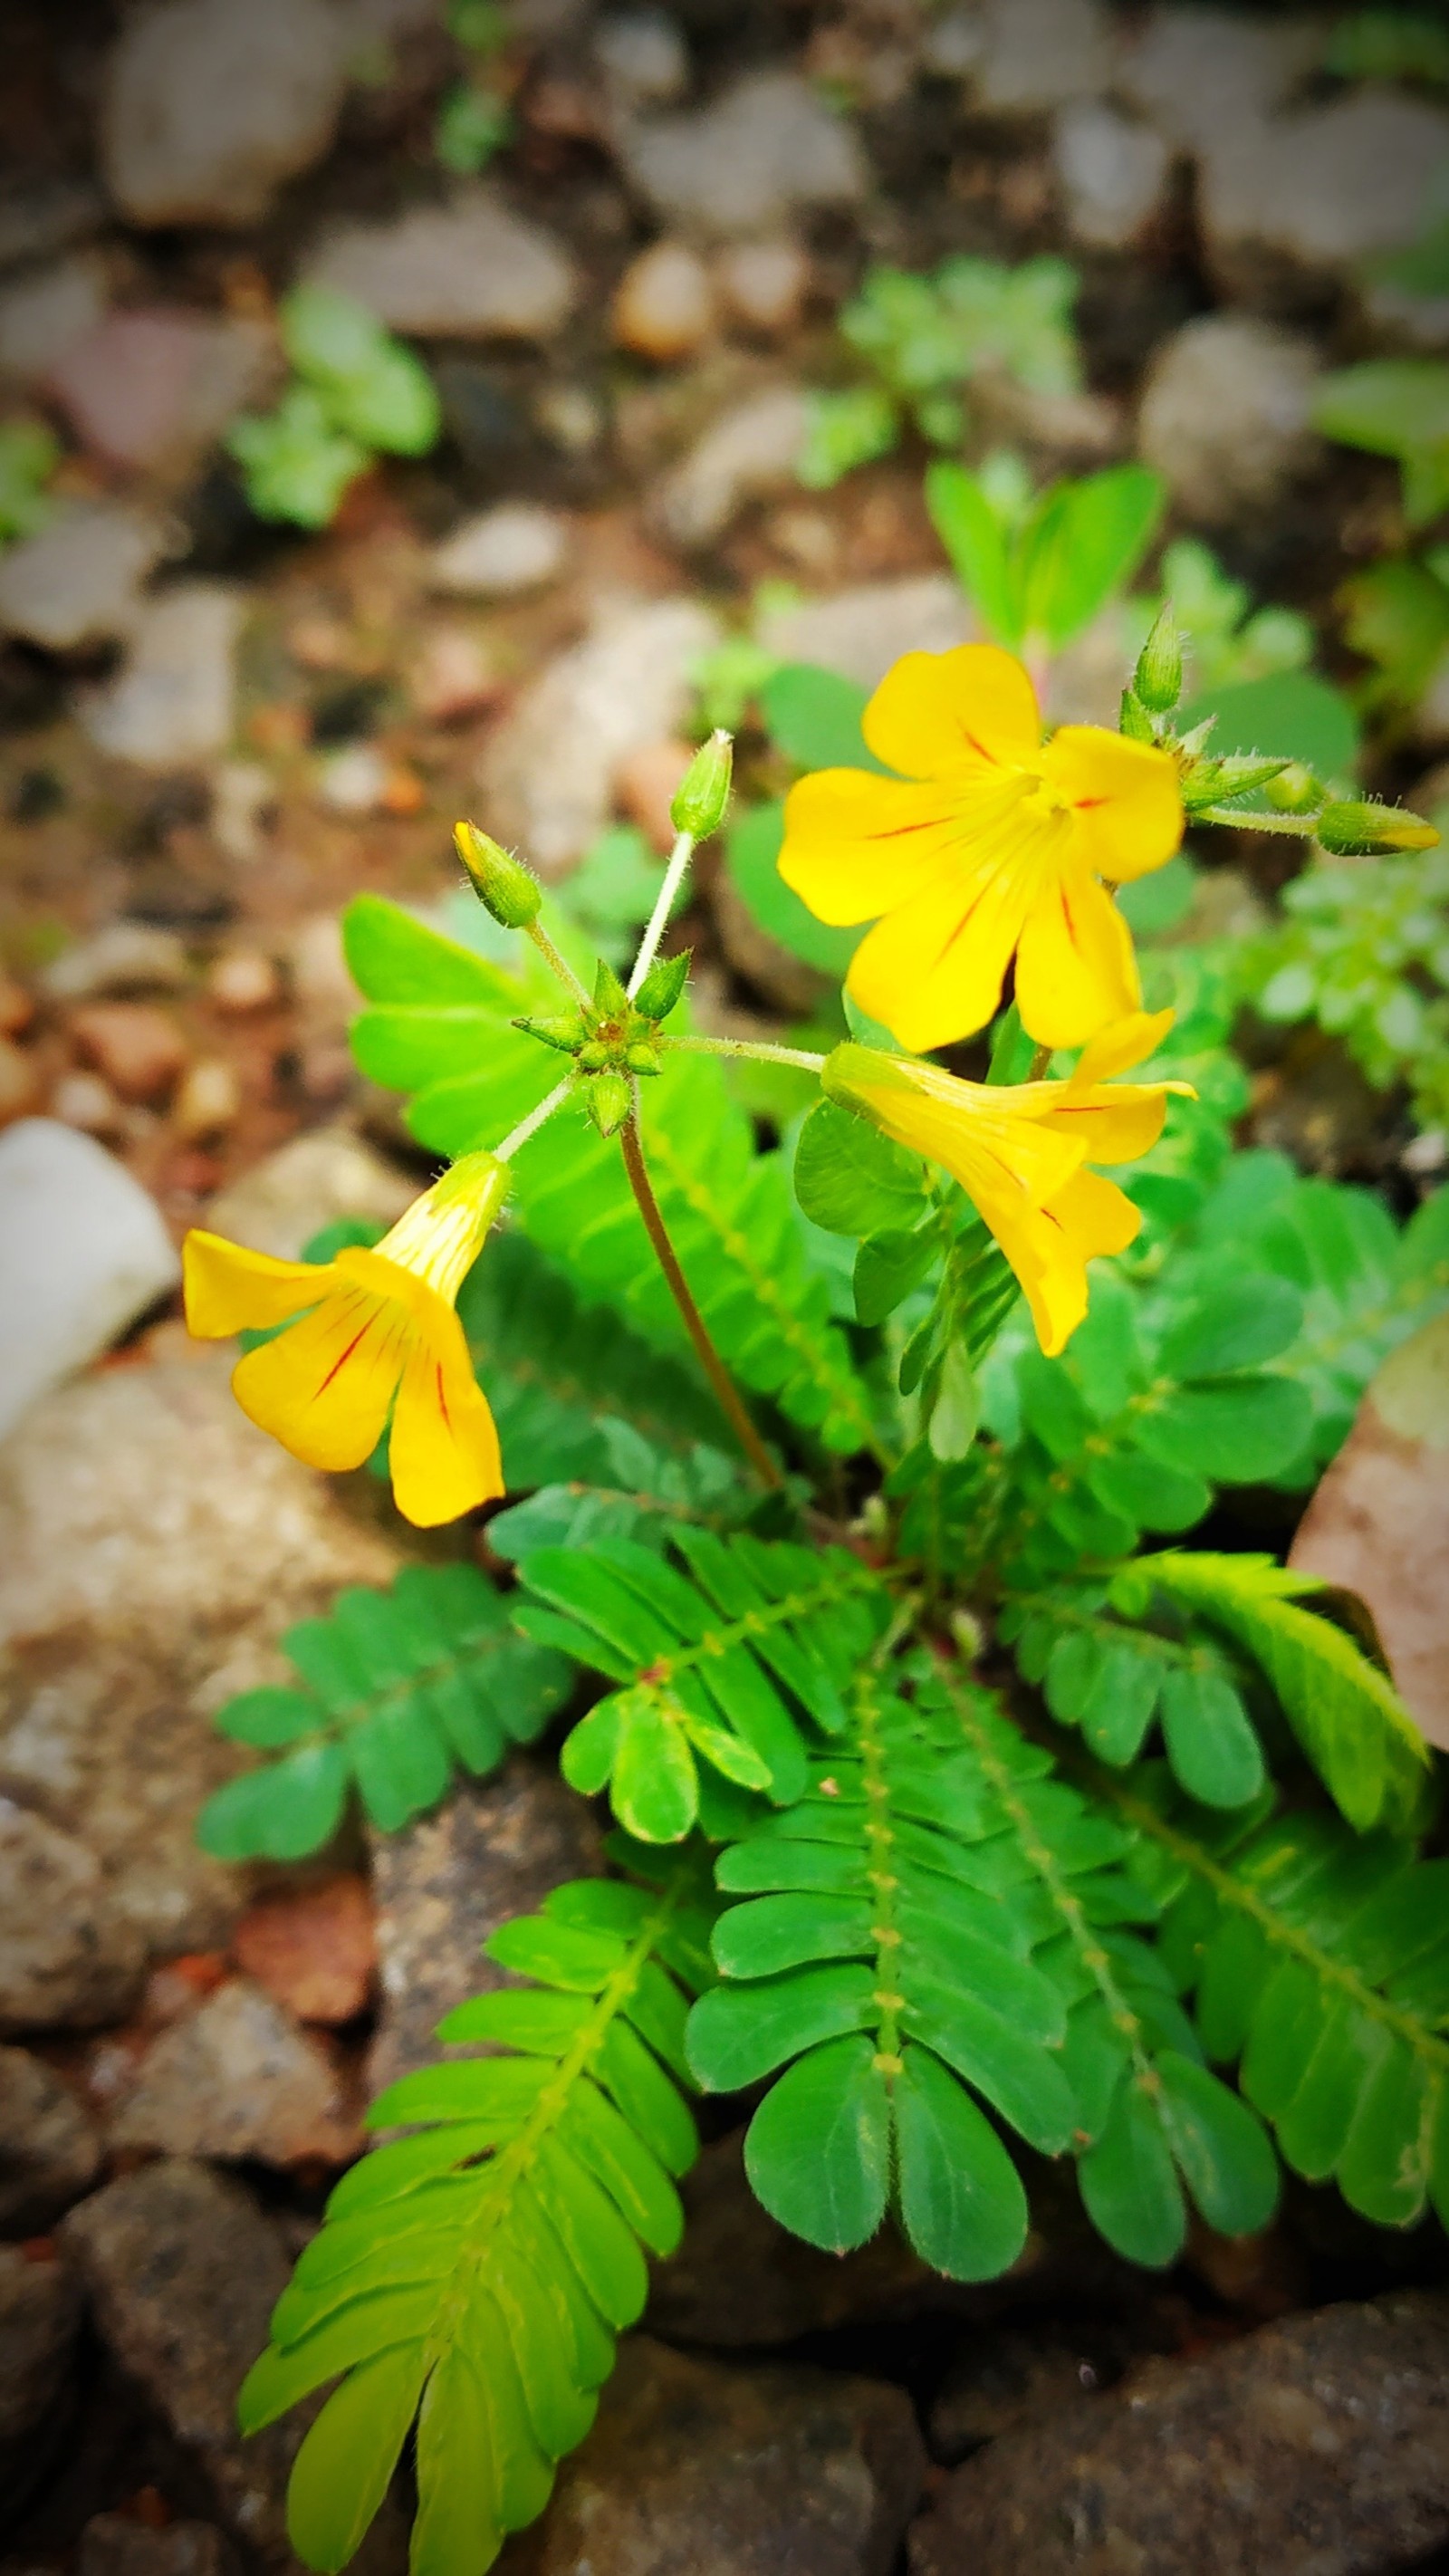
453 676
447 1881
645 784
19 1082
113 2544
242 980
82 1100
693 2466
283 1201
1318 2447
138 1050
314 1951
208 1100
17 1010
39 2320
68 1957
236 2078
665 307
764 284
1379 1522
49 2152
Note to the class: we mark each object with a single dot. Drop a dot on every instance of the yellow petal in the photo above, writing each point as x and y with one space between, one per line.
935 713
856 844
444 1447
1124 795
323 1387
989 1140
1095 1216
932 971
1075 967
1114 1124
231 1290
1125 1042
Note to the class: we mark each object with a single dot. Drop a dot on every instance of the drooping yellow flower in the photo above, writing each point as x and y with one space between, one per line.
991 844
368 1334
1021 1152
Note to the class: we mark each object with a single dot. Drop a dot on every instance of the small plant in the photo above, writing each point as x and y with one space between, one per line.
356 393
1227 640
1039 566
1390 45
1395 407
474 119
924 338
29 456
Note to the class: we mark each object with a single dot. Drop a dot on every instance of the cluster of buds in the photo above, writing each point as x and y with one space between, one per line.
1214 785
614 1038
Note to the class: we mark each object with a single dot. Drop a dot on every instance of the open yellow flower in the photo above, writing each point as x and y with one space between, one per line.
1020 1152
990 845
368 1334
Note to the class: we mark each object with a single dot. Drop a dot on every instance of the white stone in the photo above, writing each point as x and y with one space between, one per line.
209 105
1200 73
745 164
78 579
643 57
1225 415
280 1204
354 779
548 775
516 547
124 957
1039 54
1112 171
1328 187
83 1252
861 632
41 315
469 270
953 42
750 451
174 699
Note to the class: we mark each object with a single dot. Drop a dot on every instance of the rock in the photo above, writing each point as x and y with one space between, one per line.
208 1101
49 2152
40 2312
243 980
124 957
314 1950
354 780
19 1083
764 284
42 314
470 270
1112 171
642 57
152 390
282 1202
17 1009
1379 1521
1315 2447
208 108
83 1100
184 2271
517 547
665 306
113 2545
153 1544
452 676
548 773
69 1959
83 1252
1324 189
1225 415
749 452
238 2077
137 1049
173 700
448 1880
1040 54
1201 73
316 960
692 2466
1009 2376
78 579
861 632
765 149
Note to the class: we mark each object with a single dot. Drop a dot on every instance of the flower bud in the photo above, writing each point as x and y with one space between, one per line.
1370 830
643 1057
608 1097
662 986
1294 789
564 1030
1134 719
1157 679
502 884
704 790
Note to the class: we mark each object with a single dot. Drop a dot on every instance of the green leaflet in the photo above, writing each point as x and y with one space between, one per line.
718 1662
1113 1678
634 1491
396 1691
482 2297
1320 1960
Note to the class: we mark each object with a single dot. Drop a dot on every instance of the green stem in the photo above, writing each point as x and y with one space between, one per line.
536 1118
757 1050
1298 826
679 858
559 964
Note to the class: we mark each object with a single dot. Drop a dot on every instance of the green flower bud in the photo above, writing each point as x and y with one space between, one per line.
704 790
594 1056
609 1096
1134 719
502 884
1158 676
1294 789
610 998
1216 782
662 986
1369 830
564 1031
643 1057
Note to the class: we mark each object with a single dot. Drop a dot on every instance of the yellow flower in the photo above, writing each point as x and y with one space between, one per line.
1021 1152
368 1333
990 845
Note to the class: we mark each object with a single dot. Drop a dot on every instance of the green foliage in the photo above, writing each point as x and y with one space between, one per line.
1290 713
471 2278
396 1691
752 850
473 124
29 455
1390 45
924 337
719 1663
356 392
1229 641
1039 570
612 891
1398 617
1364 952
1114 1677
1395 407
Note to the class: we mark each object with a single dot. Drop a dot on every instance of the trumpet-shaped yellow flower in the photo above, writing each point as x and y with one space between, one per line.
368 1334
990 845
1021 1152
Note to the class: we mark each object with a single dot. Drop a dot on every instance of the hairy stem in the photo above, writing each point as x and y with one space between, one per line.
757 1049
536 1118
679 858
559 964
1298 826
694 1323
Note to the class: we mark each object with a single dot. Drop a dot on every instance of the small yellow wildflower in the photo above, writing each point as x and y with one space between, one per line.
990 845
1021 1152
368 1333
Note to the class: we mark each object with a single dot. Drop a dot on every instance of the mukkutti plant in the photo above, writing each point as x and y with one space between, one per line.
793 1474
